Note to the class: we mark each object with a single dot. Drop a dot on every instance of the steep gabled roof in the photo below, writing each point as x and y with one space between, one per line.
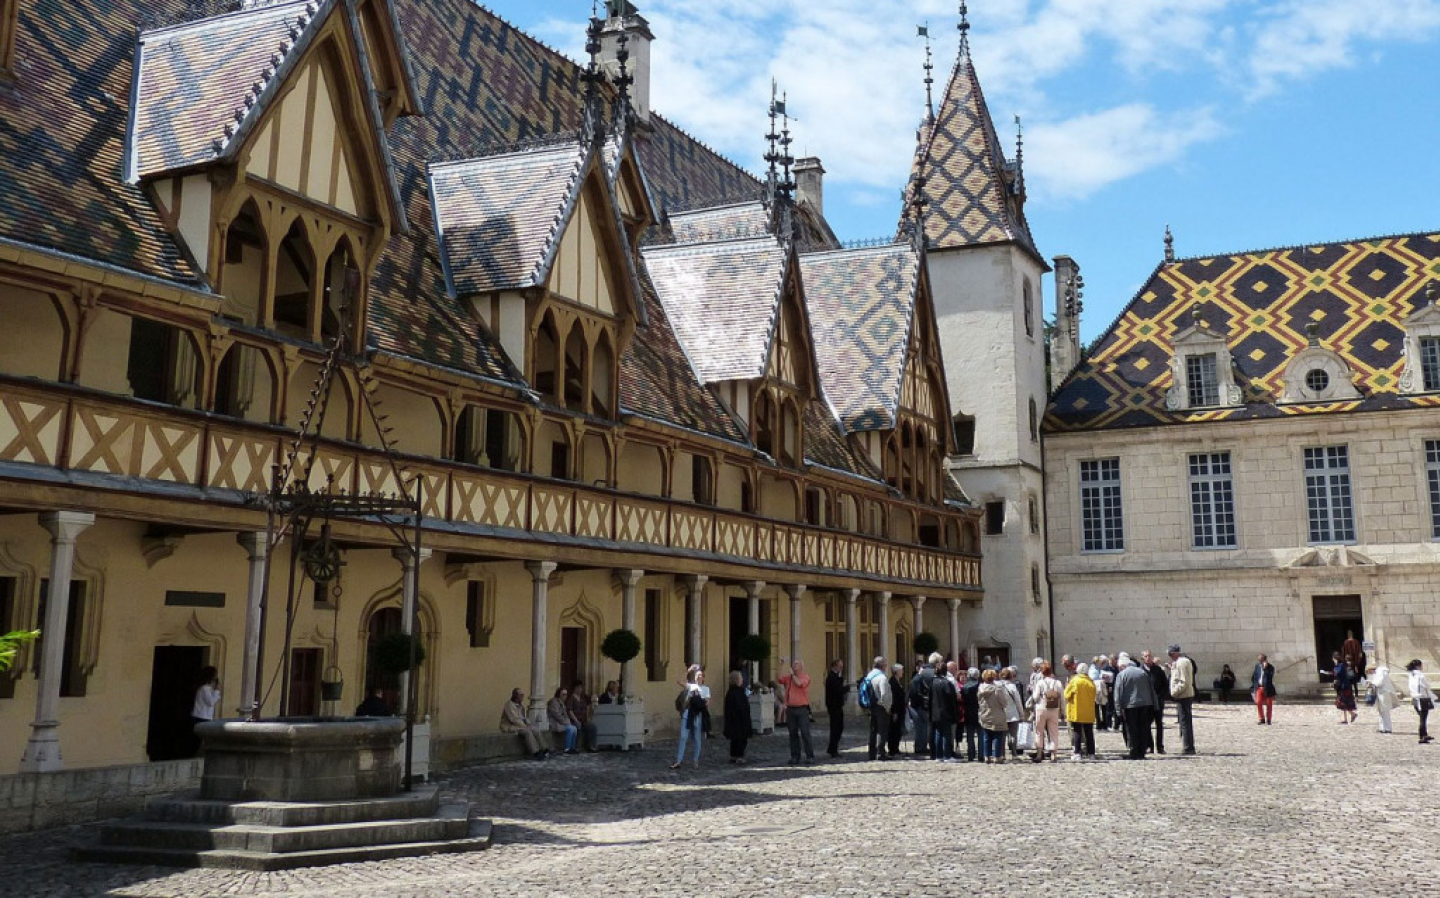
498 219
1358 293
862 307
731 222
722 299
967 179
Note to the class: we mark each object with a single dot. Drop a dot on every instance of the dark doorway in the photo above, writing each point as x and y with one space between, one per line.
1336 618
382 623
738 629
304 682
572 656
174 677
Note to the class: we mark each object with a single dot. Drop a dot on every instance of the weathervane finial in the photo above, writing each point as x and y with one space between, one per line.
924 31
1169 245
964 27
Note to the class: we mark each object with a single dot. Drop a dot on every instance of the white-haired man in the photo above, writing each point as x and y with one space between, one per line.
877 691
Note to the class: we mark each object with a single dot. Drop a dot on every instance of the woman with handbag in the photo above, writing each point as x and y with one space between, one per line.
1344 678
1420 695
1046 698
1014 710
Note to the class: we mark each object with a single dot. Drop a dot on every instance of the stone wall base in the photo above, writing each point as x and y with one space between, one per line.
33 801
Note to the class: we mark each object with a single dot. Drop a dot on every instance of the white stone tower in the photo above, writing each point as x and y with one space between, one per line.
985 275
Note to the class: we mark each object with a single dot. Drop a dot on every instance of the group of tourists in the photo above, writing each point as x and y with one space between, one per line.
568 715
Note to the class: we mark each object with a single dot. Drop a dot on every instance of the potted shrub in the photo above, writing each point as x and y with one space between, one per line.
394 651
620 725
753 649
925 643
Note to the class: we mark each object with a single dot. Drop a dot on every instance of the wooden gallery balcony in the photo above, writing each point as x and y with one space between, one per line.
63 446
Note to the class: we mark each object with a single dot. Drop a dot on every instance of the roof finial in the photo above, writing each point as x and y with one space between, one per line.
1195 315
1432 296
1312 333
1169 245
623 80
924 31
591 77
1019 159
964 27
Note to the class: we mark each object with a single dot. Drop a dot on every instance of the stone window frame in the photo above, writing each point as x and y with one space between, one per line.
1214 489
1107 539
1421 324
1430 450
1322 477
1198 340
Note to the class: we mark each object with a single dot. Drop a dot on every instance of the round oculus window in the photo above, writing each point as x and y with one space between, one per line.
1317 380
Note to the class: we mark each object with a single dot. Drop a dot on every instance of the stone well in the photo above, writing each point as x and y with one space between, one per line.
301 759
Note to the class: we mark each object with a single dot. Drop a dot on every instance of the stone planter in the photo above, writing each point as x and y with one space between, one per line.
762 712
301 759
620 726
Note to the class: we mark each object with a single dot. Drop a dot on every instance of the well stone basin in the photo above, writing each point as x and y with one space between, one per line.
301 759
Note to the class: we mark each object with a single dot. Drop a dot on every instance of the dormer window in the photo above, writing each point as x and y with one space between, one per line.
1201 370
1317 374
1422 347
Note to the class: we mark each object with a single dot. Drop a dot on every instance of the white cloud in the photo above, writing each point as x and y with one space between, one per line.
1295 39
1072 159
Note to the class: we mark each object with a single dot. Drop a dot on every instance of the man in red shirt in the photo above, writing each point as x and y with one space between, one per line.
797 710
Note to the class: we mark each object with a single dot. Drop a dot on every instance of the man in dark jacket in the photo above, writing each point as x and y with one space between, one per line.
944 714
970 712
920 688
1160 681
1135 700
899 704
835 689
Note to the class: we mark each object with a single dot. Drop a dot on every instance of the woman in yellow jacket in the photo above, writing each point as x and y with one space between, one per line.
1080 710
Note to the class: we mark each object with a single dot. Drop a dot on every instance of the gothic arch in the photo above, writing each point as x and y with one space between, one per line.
591 622
428 620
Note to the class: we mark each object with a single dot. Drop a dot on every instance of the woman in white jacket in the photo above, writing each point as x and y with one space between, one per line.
1421 696
1385 693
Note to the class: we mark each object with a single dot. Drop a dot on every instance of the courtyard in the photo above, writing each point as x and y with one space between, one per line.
1303 807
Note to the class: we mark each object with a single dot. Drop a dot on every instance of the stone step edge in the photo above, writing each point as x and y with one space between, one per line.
256 812
117 831
479 839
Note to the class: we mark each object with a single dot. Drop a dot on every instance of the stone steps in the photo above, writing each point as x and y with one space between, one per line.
477 837
278 835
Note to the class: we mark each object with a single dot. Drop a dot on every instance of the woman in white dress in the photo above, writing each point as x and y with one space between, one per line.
1385 693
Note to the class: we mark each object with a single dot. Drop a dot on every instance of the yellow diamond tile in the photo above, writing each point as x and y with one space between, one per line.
1257 354
1142 364
1381 344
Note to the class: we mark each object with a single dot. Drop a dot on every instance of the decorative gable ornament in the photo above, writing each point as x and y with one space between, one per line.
1317 374
1421 325
1195 382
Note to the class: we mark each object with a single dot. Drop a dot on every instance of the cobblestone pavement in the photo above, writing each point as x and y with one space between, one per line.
1304 807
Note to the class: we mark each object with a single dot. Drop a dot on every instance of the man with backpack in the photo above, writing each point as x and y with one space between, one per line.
920 686
875 699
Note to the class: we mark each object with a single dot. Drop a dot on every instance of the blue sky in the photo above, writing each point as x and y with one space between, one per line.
1243 124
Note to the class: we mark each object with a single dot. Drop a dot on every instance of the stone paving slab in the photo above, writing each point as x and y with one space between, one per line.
1304 807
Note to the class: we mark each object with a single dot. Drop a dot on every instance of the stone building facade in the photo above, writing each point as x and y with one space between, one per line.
1249 461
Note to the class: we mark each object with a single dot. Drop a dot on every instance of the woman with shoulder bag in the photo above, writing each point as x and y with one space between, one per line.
1046 697
1420 695
692 706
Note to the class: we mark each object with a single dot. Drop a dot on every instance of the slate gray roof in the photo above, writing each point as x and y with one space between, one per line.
862 305
731 222
500 217
722 300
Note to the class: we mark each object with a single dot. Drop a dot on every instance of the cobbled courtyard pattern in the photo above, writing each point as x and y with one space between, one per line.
1303 807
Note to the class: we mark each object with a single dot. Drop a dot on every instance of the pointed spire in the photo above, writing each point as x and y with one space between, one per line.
964 27
592 127
1169 245
1019 186
622 112
779 181
924 31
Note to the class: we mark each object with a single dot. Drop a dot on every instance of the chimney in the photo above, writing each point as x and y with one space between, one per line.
810 183
621 17
1065 341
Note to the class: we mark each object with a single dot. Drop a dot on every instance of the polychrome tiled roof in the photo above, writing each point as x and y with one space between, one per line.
732 222
194 81
861 304
1358 293
971 201
499 218
722 299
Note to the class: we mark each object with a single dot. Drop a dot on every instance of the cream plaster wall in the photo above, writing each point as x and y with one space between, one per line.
33 339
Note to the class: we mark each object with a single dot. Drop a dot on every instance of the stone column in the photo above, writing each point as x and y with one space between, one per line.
954 628
852 640
256 547
42 752
796 592
408 598
882 603
540 572
628 579
752 621
917 623
696 582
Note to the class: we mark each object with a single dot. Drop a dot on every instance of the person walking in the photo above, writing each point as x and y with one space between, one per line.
737 717
1135 700
1385 693
1182 691
797 711
692 715
1344 678
992 703
1420 694
1160 683
1262 689
835 691
919 696
877 688
1080 710
899 705
944 713
1047 698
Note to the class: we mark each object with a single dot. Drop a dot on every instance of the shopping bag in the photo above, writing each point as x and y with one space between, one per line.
1025 736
